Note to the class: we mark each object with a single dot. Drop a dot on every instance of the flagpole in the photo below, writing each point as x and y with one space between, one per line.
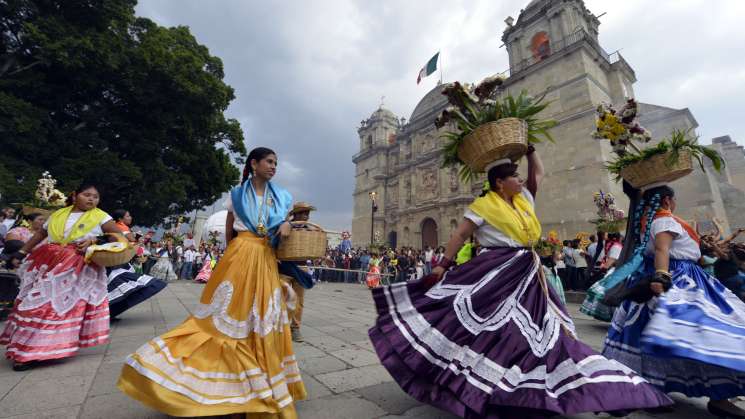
440 66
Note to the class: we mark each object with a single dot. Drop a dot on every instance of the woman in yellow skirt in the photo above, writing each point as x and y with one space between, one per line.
234 354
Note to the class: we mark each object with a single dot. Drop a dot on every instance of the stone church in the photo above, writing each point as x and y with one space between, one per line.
553 49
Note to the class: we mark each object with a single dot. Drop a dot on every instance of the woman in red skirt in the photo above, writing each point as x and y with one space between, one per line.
61 306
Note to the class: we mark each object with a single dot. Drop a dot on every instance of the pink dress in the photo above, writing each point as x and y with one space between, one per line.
204 274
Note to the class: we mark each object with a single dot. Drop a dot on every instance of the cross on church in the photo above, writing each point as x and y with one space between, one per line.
382 101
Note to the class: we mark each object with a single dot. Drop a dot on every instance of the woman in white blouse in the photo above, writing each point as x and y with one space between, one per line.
689 334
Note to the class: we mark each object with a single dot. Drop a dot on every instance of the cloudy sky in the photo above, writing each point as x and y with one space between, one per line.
306 73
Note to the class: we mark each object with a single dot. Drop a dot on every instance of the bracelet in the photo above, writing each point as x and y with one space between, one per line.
663 272
23 252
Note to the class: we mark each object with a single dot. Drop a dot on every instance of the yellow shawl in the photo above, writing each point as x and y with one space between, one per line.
87 222
519 223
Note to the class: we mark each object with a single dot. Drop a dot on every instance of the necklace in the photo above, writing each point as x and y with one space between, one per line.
260 227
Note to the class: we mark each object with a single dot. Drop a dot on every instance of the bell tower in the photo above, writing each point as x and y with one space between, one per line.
376 135
554 50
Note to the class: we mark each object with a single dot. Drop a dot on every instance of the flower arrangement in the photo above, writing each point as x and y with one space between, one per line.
214 238
610 219
678 142
471 107
549 245
670 159
46 197
620 127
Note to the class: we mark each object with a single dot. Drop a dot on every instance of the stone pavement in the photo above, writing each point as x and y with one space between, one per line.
340 370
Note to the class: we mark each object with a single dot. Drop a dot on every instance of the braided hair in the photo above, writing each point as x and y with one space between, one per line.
651 201
258 154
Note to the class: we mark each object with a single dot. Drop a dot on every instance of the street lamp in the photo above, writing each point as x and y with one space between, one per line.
373 195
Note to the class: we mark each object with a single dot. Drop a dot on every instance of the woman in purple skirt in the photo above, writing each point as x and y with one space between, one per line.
491 338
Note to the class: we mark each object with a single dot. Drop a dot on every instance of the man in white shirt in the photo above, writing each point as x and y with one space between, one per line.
186 268
428 254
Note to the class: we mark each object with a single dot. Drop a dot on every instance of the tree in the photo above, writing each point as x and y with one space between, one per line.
89 91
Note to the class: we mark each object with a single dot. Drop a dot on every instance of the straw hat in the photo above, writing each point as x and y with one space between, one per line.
302 207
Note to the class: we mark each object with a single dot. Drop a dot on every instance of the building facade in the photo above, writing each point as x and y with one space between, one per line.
554 50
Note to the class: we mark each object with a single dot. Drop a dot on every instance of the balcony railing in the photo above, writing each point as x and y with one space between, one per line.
561 45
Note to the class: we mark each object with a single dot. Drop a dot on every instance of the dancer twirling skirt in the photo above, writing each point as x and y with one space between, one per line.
126 287
234 355
687 333
61 305
491 339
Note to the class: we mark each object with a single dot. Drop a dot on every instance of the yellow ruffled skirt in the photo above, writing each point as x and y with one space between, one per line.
234 354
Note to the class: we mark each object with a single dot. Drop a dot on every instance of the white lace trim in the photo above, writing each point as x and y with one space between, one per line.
196 384
62 289
540 338
274 318
489 372
128 286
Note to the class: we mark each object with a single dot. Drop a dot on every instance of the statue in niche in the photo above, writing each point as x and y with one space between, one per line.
453 180
407 190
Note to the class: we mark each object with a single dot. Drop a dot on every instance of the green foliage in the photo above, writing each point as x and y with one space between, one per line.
679 141
470 112
90 91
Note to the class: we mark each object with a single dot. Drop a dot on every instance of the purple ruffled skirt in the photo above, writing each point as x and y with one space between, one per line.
492 340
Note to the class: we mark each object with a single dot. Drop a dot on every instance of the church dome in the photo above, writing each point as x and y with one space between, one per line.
433 100
382 113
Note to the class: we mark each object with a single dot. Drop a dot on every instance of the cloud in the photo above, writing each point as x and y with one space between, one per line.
306 73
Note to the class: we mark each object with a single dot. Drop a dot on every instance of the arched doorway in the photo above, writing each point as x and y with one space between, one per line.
429 233
392 239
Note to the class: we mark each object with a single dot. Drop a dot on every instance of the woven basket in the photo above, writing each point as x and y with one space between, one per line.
26 210
505 138
545 252
655 169
107 259
303 243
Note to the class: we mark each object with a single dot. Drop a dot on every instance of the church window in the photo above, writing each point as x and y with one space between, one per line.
368 143
540 46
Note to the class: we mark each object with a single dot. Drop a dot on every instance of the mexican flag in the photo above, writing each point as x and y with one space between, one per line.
428 69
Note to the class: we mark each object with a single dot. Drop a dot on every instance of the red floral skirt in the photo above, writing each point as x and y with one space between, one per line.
61 306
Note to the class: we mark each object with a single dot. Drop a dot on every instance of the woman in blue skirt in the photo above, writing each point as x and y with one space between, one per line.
679 327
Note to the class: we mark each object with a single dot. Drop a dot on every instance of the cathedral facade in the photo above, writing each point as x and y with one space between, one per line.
404 198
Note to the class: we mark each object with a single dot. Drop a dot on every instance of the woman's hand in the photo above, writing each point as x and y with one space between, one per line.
656 288
284 230
83 245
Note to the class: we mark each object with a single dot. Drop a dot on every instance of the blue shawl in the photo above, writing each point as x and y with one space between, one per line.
246 207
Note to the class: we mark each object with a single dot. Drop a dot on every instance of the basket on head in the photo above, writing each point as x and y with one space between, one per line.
505 138
656 169
306 241
545 252
27 210
112 254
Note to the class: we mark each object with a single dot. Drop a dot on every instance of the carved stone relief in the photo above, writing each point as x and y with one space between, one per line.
453 180
427 187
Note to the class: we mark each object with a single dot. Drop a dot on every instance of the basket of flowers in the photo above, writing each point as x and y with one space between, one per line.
47 198
610 219
671 159
110 254
489 129
306 241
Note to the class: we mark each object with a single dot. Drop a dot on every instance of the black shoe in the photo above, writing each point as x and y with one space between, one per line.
661 409
721 413
23 366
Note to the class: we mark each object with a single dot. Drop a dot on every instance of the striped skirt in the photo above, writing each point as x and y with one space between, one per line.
61 306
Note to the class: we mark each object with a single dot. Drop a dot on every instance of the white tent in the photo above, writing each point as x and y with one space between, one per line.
216 222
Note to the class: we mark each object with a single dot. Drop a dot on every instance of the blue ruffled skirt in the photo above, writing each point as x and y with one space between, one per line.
690 340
